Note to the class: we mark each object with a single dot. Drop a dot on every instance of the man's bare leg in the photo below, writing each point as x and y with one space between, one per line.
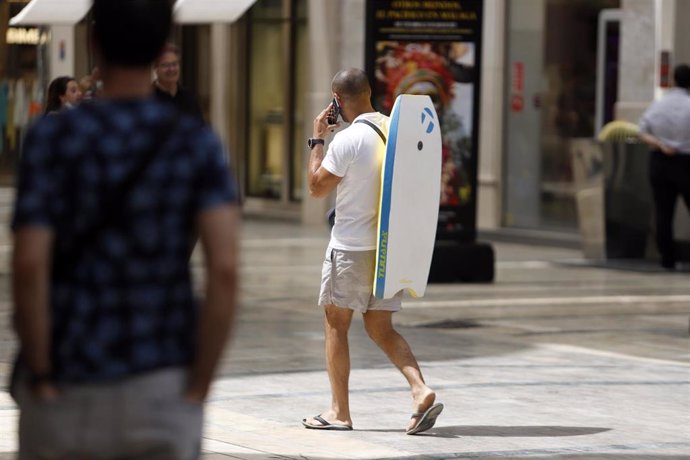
336 325
379 326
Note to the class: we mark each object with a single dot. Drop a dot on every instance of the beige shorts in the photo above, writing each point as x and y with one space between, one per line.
141 417
347 280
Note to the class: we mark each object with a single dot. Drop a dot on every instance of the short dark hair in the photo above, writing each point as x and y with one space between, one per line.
131 33
168 48
351 84
681 75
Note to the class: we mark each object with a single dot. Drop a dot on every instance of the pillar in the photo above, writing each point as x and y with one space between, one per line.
325 45
489 180
638 70
62 59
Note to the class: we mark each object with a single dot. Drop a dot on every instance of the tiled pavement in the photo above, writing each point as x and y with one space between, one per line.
550 361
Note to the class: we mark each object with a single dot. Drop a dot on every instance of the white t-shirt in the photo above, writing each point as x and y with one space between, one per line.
356 155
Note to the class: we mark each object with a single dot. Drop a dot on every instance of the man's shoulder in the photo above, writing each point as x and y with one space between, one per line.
357 130
363 121
375 117
673 96
146 111
672 101
130 118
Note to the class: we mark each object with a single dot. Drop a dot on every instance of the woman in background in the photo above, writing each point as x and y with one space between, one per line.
63 92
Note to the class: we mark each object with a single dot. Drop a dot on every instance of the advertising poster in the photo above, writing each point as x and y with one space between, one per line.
434 48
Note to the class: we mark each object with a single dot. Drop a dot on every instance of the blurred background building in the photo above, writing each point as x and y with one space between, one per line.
553 72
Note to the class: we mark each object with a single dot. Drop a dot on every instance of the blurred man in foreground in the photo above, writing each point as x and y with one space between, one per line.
116 358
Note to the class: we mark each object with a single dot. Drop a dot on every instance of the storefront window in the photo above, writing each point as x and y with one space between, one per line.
552 92
22 83
277 75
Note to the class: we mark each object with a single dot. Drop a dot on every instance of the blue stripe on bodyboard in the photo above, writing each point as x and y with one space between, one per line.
384 216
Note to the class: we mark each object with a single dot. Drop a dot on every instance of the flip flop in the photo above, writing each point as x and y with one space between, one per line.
325 425
426 419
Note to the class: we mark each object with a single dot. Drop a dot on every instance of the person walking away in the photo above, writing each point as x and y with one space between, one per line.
116 356
353 167
665 127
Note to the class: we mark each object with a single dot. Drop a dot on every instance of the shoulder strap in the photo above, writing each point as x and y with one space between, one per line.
374 127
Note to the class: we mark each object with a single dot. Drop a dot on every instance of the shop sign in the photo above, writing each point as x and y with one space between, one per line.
434 48
517 103
26 36
665 69
518 81
517 86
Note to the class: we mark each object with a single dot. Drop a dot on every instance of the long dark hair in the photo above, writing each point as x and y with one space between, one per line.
57 88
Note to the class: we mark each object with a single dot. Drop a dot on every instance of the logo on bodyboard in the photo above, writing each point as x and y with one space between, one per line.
428 120
427 123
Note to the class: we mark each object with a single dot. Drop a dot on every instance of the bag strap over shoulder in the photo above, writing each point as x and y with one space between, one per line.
374 127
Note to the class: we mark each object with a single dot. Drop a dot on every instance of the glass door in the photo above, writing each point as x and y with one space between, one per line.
277 73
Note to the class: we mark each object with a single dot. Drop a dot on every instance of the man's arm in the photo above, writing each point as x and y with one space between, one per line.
218 231
656 143
646 131
31 261
321 182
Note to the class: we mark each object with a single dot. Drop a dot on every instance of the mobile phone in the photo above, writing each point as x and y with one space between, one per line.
333 113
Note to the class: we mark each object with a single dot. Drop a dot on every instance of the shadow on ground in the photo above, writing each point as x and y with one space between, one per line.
507 431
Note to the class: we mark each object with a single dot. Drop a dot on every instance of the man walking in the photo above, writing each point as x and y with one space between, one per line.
665 127
116 357
353 166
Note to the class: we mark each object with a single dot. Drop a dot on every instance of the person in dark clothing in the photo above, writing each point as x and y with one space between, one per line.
116 353
167 85
664 127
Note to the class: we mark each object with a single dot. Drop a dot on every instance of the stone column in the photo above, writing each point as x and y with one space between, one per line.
325 46
353 25
220 42
489 194
523 125
638 57
61 51
681 43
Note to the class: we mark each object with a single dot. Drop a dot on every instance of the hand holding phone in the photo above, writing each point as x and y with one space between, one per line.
333 112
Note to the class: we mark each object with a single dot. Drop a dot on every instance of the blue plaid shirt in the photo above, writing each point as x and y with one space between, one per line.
123 302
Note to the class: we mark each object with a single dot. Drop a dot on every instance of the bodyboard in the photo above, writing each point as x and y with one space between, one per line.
409 198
